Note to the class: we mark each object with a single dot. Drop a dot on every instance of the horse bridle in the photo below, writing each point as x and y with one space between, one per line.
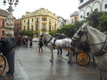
77 40
46 42
81 33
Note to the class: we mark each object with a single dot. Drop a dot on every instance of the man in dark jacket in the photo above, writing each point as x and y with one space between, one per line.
7 50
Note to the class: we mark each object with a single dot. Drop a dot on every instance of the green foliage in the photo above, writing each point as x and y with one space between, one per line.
102 26
98 20
26 33
36 32
52 33
93 19
68 30
78 24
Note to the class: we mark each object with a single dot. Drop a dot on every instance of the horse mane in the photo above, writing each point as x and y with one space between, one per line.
96 31
47 35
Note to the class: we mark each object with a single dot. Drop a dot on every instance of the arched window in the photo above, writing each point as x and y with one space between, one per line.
87 13
96 9
105 6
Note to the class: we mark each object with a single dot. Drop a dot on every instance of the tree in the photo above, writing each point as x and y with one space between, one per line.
93 19
69 29
52 33
102 26
26 33
98 20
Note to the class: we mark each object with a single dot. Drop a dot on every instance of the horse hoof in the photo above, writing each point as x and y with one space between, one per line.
51 61
69 62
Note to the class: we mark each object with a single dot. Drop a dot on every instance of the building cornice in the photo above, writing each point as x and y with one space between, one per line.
25 17
85 4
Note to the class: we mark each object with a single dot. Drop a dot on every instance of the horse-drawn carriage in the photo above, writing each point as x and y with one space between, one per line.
60 41
97 42
2 63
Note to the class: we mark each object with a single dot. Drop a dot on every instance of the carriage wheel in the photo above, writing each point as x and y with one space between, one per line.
2 64
83 58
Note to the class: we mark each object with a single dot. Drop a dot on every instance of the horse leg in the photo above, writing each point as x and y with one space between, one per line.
93 59
51 55
70 58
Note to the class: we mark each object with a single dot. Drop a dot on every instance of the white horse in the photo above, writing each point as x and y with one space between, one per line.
54 43
97 42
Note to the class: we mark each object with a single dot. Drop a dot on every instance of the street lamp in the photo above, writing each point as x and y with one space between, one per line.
10 16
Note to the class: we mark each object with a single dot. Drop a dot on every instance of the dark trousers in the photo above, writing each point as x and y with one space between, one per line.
59 51
10 60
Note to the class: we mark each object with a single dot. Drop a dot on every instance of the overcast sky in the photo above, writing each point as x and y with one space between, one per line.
61 8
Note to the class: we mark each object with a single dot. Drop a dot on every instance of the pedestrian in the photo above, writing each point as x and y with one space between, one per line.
40 45
8 51
59 51
30 39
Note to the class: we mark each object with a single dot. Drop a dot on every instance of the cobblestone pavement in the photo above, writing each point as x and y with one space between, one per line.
32 65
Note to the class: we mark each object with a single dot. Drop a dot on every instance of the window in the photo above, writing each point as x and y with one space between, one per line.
24 21
24 28
81 16
3 23
49 27
37 20
28 21
37 35
44 19
32 27
87 13
49 21
72 21
75 19
81 1
28 27
96 9
36 26
44 26
3 33
105 6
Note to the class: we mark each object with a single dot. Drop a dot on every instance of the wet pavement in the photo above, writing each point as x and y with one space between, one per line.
32 65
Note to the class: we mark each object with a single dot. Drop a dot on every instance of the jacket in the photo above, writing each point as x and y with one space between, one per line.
5 46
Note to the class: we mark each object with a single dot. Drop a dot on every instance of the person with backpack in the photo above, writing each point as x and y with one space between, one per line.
7 49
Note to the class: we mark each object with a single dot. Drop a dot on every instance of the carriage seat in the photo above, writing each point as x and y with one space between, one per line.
59 36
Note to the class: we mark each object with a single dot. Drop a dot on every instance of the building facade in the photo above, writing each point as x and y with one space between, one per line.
41 20
17 27
4 27
62 21
88 6
3 21
74 17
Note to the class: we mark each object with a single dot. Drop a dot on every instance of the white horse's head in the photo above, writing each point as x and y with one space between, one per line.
89 35
45 38
80 35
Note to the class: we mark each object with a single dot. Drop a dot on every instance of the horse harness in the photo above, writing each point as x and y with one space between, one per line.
101 51
55 38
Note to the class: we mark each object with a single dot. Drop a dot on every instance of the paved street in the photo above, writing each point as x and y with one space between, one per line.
31 65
